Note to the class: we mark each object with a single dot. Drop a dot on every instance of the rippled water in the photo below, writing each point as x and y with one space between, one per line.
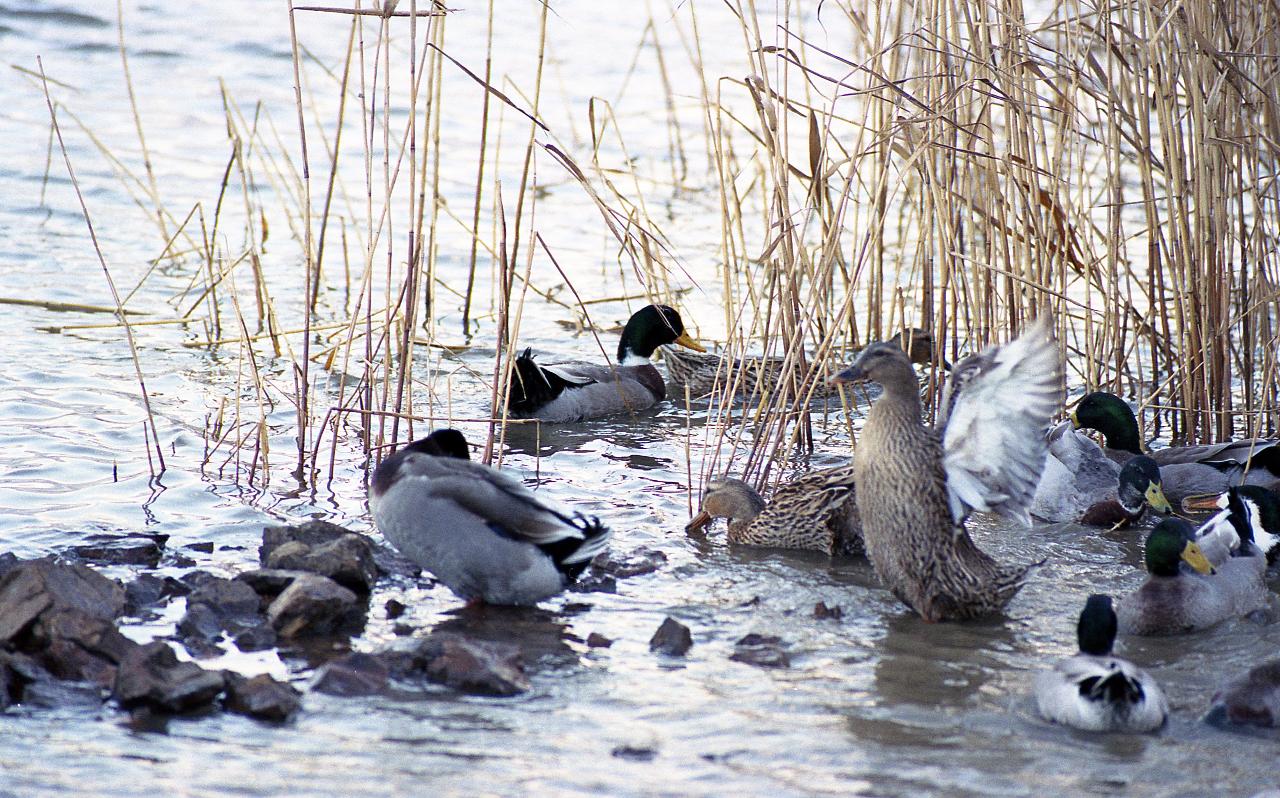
875 703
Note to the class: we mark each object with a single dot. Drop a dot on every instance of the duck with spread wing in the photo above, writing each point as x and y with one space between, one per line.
916 484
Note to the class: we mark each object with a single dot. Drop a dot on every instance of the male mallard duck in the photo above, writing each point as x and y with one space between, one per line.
1247 517
1081 484
916 485
478 530
1171 602
1187 470
817 511
702 373
577 391
1096 691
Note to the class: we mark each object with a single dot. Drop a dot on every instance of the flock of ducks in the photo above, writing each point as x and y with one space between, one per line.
902 502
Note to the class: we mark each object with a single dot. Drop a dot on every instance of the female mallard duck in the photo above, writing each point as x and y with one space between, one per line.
1246 514
704 373
916 485
577 391
1172 602
1096 691
1081 484
1187 470
478 530
817 512
1251 699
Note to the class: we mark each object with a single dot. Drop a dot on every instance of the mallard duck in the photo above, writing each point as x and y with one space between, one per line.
1081 484
1251 699
478 530
818 511
1247 517
916 485
702 373
1096 691
1172 602
1187 470
578 391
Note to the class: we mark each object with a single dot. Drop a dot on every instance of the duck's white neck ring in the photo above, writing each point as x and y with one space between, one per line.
631 359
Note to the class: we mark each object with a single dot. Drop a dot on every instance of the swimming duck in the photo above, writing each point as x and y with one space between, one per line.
1246 513
578 391
1187 470
1171 602
1250 699
916 485
1096 691
703 373
1081 484
818 511
478 530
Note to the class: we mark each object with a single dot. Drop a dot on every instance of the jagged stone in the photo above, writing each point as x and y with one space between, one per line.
624 566
347 560
762 650
354 674
151 674
473 666
672 638
262 697
315 605
34 587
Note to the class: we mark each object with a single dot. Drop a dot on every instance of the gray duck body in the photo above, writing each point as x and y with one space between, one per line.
479 531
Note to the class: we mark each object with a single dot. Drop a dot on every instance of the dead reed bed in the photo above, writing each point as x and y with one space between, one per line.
958 166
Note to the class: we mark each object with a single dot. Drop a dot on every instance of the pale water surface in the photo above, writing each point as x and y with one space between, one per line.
876 703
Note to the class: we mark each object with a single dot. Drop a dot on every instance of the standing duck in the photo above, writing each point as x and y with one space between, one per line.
818 512
578 391
1172 602
1187 470
1081 484
478 530
916 485
1096 691
750 376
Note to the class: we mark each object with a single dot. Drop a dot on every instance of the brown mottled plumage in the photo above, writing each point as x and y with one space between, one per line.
914 492
818 512
702 373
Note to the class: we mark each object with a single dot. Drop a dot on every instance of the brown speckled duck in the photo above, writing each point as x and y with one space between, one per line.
702 373
916 485
818 512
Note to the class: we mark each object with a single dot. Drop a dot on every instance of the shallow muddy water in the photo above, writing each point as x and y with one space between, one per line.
874 703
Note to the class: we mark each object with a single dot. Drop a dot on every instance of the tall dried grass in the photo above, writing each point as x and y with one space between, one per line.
950 165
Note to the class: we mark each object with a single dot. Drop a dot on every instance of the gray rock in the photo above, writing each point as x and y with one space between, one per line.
762 650
262 697
597 640
312 533
152 675
394 609
315 605
268 582
348 560
228 598
354 674
472 666
200 622
125 550
34 587
79 647
624 566
822 612
148 590
672 638
256 638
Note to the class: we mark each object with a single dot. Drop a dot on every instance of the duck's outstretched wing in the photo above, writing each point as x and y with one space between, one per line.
994 412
